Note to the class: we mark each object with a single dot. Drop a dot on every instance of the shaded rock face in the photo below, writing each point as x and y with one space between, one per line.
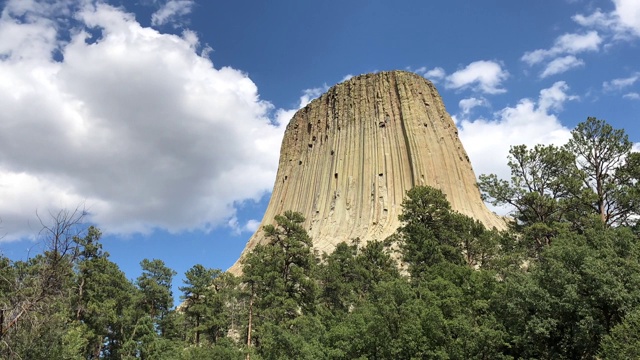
348 158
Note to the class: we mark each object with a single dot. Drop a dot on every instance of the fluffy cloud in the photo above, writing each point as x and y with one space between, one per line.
249 227
466 105
560 65
632 96
623 23
628 13
561 56
170 11
565 44
483 76
436 74
133 123
528 122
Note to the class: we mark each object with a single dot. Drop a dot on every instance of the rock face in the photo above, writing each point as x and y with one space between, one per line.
348 158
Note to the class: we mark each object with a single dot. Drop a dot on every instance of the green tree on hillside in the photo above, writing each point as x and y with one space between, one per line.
155 285
595 174
279 277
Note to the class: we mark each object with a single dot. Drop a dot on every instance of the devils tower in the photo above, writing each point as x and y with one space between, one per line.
348 158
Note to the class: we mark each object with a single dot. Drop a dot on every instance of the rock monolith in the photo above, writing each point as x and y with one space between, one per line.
348 158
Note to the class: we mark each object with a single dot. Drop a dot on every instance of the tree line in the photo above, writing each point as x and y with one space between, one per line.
563 282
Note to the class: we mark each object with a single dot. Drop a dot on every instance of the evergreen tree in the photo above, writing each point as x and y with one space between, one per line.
155 286
280 279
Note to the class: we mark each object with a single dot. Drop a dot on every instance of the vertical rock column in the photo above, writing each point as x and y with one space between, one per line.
348 158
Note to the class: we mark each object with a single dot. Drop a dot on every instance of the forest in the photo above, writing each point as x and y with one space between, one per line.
562 282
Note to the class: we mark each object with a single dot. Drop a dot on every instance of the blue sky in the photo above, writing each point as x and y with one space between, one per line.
163 118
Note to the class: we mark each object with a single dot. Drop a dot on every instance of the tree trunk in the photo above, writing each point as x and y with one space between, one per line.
249 325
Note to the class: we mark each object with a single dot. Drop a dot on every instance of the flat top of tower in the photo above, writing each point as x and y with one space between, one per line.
389 73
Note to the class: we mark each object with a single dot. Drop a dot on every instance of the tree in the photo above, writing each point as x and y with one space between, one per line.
542 178
623 342
432 233
283 268
350 272
582 286
609 171
280 279
204 302
594 174
35 293
155 286
104 300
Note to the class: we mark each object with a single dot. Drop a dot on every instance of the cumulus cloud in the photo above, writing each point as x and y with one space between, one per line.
170 11
561 56
529 122
565 44
483 76
632 96
248 227
623 23
466 105
434 75
560 65
135 124
628 13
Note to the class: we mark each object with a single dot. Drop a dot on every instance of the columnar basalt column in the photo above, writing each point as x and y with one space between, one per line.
348 158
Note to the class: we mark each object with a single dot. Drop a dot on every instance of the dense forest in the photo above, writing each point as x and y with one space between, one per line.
563 282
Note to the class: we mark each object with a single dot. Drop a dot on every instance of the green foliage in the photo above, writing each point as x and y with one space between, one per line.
542 180
594 175
432 233
623 342
155 286
206 294
280 279
602 154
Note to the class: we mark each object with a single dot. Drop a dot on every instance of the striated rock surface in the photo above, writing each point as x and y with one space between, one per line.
348 158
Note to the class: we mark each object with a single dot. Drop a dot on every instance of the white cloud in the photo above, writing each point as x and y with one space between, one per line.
436 74
623 23
560 65
310 94
487 141
483 76
565 44
553 98
596 20
466 105
249 227
632 96
133 123
621 83
252 225
283 116
346 77
171 11
577 43
628 13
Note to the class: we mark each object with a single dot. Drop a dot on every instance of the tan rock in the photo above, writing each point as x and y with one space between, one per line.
348 158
